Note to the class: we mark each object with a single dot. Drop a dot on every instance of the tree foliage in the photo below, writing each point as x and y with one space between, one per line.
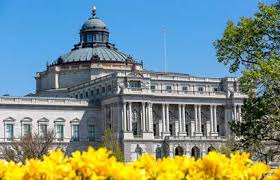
30 146
110 142
253 46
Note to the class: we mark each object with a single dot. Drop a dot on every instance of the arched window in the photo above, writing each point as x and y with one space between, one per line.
196 152
211 148
138 151
158 153
179 151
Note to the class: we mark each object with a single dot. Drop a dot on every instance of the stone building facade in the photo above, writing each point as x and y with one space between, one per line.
95 86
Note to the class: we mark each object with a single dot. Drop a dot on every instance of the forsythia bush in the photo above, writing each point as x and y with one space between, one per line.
99 164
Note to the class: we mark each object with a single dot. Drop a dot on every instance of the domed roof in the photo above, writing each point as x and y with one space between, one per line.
93 53
94 45
93 23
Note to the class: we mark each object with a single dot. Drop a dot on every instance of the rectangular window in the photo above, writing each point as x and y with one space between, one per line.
203 130
168 89
43 130
200 89
9 132
187 129
171 129
91 93
185 88
26 129
59 132
215 89
97 91
135 84
109 88
91 132
89 38
103 90
75 132
153 87
86 94
81 96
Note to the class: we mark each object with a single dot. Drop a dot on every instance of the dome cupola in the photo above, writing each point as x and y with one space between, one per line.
94 30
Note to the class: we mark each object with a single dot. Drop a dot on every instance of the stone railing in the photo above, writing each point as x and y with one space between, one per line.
146 91
195 138
42 101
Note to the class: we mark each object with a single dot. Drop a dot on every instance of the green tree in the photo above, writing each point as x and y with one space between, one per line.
110 142
253 46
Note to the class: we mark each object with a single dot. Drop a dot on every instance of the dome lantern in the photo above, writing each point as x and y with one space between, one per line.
94 30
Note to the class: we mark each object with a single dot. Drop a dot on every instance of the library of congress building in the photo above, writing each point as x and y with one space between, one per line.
96 86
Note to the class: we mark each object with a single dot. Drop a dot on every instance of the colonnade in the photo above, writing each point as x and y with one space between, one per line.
181 124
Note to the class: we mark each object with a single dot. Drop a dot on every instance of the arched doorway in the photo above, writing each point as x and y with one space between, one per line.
158 153
179 151
196 152
211 148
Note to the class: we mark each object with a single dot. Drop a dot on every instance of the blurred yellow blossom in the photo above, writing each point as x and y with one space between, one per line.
100 164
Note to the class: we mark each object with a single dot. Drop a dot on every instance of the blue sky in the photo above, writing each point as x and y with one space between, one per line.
33 32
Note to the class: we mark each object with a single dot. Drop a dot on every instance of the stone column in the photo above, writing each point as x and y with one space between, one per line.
184 118
124 114
195 118
211 119
167 118
150 117
143 117
180 119
215 119
56 81
198 120
163 118
129 116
